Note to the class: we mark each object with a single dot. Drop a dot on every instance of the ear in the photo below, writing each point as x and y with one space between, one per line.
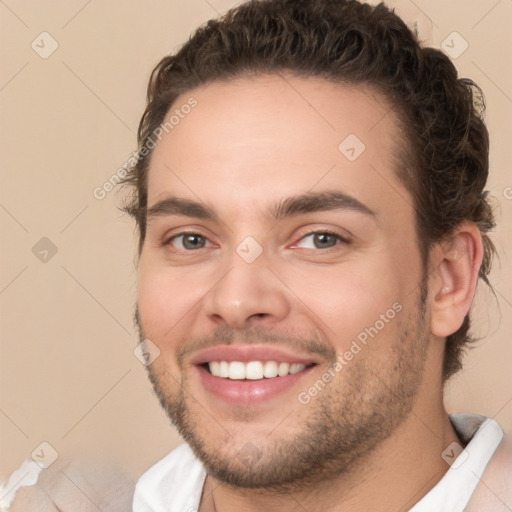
453 277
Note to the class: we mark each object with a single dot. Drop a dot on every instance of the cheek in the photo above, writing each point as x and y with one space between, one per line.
164 297
351 297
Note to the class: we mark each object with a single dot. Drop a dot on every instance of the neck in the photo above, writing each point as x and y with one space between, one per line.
398 473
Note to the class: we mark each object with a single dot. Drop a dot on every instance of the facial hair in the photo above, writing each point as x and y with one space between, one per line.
361 407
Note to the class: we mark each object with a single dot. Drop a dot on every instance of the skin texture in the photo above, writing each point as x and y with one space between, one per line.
356 444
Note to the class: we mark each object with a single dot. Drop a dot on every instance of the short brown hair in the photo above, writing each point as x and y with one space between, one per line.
346 41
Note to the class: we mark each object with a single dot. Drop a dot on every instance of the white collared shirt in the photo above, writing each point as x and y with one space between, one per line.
175 483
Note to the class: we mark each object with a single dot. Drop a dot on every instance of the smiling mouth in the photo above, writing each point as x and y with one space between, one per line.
253 370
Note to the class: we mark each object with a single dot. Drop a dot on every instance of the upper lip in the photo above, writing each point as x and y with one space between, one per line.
245 353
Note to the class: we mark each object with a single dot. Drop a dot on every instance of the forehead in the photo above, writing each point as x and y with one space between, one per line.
251 138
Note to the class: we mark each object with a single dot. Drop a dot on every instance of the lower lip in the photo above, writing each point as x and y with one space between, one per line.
249 392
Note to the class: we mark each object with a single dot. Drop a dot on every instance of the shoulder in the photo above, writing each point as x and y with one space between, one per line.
74 485
494 490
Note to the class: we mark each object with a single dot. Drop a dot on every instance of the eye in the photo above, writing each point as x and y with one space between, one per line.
188 241
320 240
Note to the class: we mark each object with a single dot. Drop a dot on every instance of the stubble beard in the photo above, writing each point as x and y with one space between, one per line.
347 420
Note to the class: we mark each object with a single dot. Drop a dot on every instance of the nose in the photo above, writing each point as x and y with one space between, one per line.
248 294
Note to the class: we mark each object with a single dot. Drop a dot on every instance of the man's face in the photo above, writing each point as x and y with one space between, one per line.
250 282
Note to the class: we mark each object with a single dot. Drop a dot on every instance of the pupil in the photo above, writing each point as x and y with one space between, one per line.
324 240
193 241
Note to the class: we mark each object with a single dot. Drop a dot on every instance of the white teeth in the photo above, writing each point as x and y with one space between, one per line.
270 369
223 370
253 370
236 370
296 368
284 369
215 368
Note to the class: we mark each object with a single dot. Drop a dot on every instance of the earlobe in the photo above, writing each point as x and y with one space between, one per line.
453 280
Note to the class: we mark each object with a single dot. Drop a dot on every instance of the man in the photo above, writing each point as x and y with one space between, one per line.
313 223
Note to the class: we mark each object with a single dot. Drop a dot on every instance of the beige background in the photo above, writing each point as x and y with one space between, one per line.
68 122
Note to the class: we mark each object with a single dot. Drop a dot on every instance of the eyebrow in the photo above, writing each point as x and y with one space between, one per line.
180 206
309 202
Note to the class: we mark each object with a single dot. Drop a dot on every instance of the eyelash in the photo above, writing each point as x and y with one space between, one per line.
167 241
340 238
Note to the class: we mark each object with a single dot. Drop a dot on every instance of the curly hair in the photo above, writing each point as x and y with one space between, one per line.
445 149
